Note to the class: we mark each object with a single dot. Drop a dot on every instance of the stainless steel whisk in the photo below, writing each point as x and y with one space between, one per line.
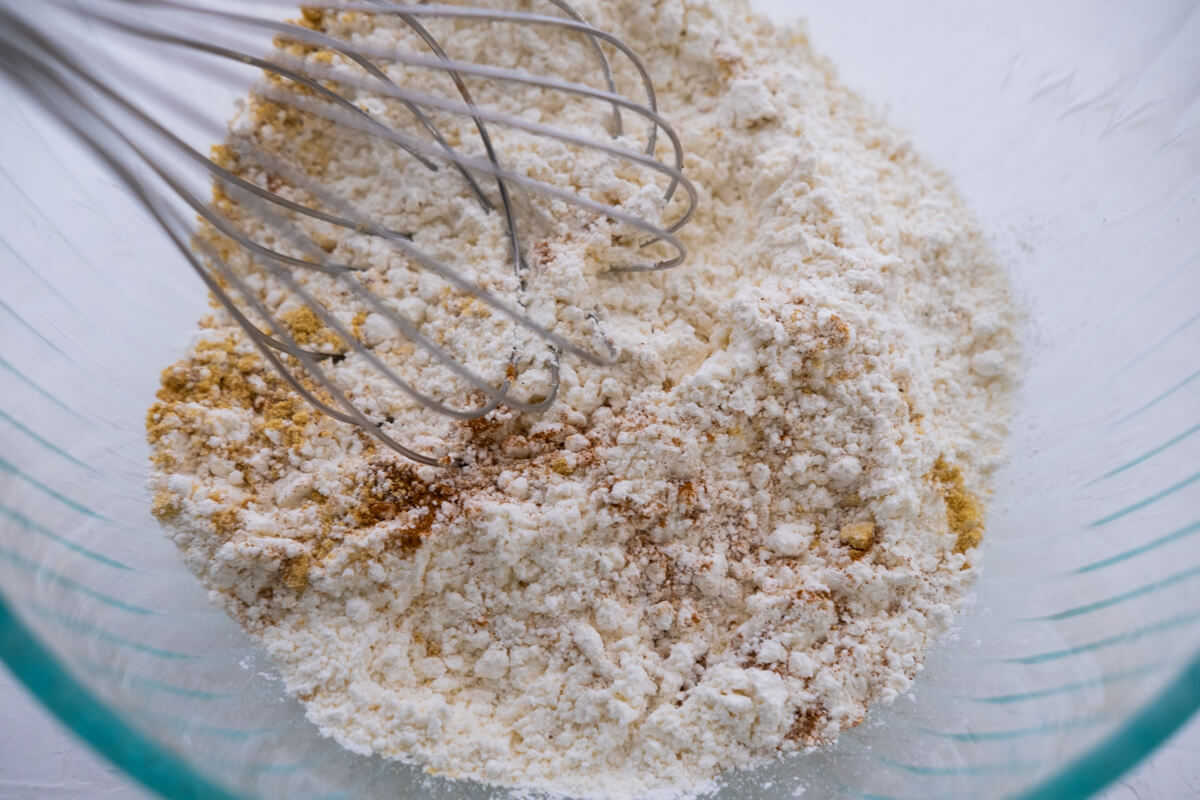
137 128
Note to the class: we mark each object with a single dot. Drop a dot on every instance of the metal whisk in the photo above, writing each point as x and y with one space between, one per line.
90 62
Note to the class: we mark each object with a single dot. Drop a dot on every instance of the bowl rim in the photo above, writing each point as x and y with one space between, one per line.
160 770
94 721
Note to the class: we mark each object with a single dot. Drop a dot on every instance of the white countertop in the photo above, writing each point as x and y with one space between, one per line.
41 760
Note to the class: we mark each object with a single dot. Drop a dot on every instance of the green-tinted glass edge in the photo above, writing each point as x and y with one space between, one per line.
161 771
147 762
1145 730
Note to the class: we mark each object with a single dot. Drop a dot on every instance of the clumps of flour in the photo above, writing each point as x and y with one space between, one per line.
730 544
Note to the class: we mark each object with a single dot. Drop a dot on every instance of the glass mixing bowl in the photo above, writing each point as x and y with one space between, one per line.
1073 128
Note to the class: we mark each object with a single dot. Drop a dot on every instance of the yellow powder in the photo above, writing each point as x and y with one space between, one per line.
226 522
308 329
322 549
290 418
308 135
165 505
225 157
295 572
209 377
303 323
278 413
858 535
964 512
356 324
312 18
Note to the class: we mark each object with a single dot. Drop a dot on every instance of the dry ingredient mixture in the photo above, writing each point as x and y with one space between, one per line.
730 544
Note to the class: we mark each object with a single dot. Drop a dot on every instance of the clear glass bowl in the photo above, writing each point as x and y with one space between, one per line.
1073 128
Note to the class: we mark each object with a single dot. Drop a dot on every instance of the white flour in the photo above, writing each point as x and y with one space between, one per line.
728 545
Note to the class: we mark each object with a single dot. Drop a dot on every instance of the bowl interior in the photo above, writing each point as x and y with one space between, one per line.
1074 132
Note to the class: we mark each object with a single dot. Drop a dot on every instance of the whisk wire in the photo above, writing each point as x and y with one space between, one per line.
78 97
45 79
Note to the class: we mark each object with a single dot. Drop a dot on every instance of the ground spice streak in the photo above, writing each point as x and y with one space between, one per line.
730 544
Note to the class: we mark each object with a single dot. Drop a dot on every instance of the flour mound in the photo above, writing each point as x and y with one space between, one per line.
730 544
